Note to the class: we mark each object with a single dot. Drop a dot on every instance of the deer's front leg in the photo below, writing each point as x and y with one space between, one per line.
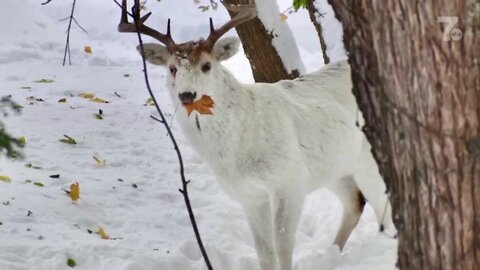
259 217
287 208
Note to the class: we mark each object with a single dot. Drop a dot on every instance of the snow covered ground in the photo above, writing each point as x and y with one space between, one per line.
134 196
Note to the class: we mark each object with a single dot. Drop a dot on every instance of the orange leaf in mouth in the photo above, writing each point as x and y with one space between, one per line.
202 106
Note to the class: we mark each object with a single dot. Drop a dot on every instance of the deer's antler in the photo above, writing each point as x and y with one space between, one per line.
127 27
244 13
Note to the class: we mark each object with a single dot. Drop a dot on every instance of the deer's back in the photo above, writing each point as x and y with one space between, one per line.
311 122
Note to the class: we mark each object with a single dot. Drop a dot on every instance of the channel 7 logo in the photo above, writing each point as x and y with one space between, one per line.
451 32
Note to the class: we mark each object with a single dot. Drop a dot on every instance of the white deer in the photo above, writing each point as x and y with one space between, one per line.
271 144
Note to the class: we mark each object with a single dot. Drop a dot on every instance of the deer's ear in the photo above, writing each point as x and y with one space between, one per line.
155 53
225 48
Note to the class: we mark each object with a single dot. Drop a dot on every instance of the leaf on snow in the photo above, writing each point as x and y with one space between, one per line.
149 102
87 95
202 106
103 234
99 115
99 100
5 179
55 176
71 263
62 100
22 141
32 98
88 49
100 162
44 81
74 191
93 98
204 8
40 184
30 165
68 140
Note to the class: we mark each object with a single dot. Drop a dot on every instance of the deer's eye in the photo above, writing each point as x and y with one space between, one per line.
206 67
173 70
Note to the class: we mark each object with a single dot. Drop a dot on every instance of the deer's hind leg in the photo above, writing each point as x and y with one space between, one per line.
353 202
369 180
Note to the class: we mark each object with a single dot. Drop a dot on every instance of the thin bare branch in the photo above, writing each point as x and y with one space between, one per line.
67 42
46 2
184 190
313 12
76 22
157 119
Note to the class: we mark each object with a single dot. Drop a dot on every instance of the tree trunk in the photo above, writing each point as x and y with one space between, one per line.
265 61
420 96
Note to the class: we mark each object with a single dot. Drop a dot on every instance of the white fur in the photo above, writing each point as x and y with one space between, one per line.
270 145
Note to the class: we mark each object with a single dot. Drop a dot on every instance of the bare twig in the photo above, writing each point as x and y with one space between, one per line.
67 42
46 2
162 119
157 119
312 11
79 26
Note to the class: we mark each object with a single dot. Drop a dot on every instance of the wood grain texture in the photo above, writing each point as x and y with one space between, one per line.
420 96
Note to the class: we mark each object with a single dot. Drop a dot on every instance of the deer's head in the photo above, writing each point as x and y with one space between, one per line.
194 67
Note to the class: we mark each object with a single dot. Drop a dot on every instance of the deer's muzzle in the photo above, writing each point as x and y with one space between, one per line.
187 97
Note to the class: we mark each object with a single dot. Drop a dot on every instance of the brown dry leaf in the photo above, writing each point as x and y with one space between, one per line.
283 17
88 49
202 106
75 191
103 234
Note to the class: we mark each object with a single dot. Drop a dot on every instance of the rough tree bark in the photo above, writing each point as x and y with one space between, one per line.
264 59
420 96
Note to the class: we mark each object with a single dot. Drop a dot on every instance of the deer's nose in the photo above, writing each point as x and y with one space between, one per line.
187 97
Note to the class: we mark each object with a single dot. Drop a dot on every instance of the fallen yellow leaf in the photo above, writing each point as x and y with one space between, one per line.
5 179
99 100
87 95
22 141
75 191
92 97
103 234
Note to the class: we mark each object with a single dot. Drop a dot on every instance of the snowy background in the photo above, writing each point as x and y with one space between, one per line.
133 196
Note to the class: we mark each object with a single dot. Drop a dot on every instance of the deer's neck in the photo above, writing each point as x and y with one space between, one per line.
230 96
216 137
